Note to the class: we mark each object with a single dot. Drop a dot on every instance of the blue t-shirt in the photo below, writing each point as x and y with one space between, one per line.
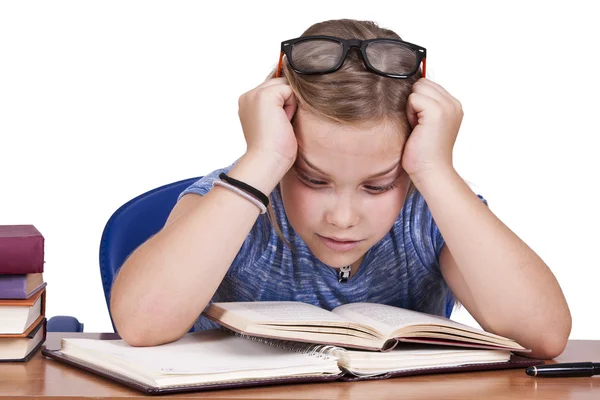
402 269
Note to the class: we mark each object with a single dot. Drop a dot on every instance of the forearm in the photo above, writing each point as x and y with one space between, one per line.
167 281
509 289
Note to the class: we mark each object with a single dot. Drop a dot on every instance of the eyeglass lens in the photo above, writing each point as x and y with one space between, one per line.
321 55
316 55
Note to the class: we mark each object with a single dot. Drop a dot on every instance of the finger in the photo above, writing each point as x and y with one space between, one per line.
290 106
273 81
416 105
411 114
285 98
440 89
437 86
423 87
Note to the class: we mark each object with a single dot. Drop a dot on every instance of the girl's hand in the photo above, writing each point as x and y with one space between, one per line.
435 117
265 113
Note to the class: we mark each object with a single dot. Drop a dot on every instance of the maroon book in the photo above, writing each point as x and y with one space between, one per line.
21 250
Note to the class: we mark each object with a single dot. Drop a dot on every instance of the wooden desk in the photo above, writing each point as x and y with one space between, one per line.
45 378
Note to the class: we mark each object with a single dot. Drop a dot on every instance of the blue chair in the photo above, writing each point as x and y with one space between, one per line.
131 225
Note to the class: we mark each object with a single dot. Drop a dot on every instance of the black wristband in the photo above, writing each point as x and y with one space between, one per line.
245 187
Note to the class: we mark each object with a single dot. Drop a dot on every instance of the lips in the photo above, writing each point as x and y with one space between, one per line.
339 244
339 239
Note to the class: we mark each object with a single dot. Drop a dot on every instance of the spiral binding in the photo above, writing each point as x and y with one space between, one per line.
318 350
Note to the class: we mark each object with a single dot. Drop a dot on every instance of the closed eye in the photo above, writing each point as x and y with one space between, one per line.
317 184
382 189
306 179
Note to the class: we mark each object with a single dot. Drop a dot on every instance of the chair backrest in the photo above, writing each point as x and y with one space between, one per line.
131 225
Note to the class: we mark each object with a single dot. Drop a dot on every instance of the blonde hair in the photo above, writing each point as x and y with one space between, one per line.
352 94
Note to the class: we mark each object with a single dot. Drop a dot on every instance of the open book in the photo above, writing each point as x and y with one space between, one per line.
222 359
366 326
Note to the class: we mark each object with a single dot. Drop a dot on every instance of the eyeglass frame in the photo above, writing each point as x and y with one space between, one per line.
347 44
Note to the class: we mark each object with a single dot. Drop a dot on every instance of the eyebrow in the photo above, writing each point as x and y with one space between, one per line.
387 171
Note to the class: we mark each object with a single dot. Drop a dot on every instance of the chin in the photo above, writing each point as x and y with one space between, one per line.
332 258
336 260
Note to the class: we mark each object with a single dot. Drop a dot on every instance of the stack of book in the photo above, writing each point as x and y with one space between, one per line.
22 292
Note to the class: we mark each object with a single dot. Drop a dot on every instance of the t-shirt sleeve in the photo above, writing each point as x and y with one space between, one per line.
424 232
257 239
204 184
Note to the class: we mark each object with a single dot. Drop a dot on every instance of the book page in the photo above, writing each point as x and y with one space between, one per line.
277 312
388 319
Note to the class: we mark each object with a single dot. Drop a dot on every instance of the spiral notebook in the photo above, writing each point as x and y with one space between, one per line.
218 359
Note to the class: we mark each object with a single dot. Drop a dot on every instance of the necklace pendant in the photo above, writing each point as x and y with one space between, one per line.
344 274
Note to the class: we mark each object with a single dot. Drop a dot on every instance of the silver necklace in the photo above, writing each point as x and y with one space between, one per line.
344 274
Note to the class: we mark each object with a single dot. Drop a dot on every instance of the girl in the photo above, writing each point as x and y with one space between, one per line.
346 193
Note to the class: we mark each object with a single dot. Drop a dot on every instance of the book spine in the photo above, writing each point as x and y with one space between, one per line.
312 349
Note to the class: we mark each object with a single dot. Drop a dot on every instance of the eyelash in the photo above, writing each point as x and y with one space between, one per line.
378 189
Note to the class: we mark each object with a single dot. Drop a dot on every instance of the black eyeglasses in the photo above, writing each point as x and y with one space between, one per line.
316 55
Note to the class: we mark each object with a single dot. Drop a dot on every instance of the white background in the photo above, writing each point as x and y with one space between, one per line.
101 101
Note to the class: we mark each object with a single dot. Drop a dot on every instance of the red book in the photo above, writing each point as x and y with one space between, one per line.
21 250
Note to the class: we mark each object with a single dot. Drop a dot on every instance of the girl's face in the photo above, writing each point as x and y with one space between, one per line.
347 184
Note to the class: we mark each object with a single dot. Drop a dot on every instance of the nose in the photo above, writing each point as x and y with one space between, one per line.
342 212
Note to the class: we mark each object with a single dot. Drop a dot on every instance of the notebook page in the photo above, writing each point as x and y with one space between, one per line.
412 352
369 363
202 352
